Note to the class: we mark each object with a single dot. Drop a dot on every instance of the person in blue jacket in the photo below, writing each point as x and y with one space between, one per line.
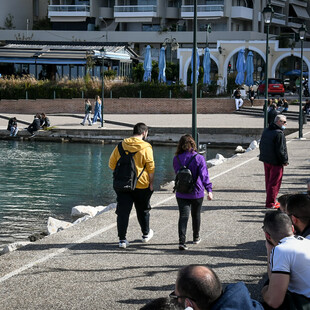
97 112
199 288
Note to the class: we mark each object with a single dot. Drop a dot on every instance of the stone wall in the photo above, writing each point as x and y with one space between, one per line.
123 106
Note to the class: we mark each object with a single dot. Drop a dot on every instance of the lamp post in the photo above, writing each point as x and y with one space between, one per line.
268 13
302 31
208 30
173 45
194 97
102 86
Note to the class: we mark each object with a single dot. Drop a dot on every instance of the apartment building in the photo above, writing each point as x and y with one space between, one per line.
20 14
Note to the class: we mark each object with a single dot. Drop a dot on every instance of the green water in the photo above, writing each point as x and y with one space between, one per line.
38 180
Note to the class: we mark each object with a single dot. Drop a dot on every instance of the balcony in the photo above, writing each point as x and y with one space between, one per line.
302 3
278 19
56 11
135 11
294 22
242 12
203 11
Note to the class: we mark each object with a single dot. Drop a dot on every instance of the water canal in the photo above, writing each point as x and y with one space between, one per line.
39 179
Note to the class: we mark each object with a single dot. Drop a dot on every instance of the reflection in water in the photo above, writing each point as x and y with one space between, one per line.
39 180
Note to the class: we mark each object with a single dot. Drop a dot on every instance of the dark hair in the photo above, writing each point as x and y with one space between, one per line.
139 129
204 287
299 206
162 303
186 143
278 225
283 200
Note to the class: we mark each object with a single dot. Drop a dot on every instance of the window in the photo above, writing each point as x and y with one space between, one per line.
149 27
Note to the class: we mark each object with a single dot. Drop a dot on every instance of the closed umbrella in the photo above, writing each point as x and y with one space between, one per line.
206 67
249 70
147 65
240 67
162 66
197 67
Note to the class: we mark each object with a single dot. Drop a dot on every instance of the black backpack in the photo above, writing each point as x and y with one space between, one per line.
125 173
184 182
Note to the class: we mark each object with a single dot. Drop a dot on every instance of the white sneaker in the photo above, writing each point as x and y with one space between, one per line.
148 237
123 244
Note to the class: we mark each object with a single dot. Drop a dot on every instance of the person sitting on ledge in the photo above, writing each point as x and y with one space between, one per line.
35 125
44 121
12 127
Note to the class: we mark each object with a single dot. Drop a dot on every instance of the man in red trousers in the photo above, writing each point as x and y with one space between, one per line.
273 153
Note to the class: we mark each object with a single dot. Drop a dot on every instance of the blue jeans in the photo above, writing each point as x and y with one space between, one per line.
185 207
87 117
96 115
14 131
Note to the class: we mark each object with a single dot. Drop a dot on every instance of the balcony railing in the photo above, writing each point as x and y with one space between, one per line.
68 8
279 16
187 11
135 8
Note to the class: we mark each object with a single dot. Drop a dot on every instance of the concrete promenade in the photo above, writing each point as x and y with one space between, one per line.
82 267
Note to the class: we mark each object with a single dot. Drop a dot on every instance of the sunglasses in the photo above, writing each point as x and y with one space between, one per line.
174 298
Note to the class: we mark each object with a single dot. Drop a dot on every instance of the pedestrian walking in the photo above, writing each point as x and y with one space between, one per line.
273 153
97 112
87 113
133 168
187 162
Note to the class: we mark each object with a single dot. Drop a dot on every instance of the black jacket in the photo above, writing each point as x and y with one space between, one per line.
272 146
272 115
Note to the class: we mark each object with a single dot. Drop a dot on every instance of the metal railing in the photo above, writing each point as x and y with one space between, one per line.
203 8
69 8
135 8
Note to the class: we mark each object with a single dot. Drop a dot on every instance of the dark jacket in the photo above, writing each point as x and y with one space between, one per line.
11 124
272 146
45 122
237 94
272 115
35 124
236 296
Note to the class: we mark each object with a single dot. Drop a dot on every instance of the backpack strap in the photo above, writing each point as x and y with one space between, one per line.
190 160
122 152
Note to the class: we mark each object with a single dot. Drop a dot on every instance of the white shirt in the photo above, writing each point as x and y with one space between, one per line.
292 256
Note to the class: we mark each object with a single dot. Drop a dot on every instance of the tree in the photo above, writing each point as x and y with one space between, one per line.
8 24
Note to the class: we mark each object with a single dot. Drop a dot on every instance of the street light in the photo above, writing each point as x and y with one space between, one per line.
194 97
302 31
268 13
174 45
208 30
102 86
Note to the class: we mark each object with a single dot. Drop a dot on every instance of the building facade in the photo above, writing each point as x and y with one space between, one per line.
233 23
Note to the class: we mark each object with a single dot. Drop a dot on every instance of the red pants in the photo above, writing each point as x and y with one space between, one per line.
273 179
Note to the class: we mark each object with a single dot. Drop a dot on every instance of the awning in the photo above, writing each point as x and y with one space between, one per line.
17 60
301 12
42 61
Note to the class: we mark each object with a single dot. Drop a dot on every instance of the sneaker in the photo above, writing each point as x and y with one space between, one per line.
82 124
196 240
183 247
32 135
94 123
276 205
123 244
90 124
148 237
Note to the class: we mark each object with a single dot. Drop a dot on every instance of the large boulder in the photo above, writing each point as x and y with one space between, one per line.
219 159
54 225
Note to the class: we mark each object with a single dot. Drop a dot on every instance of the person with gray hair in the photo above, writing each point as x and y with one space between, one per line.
273 153
288 264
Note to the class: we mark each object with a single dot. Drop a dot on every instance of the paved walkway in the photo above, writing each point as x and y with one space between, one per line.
82 267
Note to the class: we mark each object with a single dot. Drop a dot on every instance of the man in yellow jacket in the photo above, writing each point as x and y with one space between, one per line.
141 195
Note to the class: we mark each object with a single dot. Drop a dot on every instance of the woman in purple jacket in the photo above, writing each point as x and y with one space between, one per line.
191 202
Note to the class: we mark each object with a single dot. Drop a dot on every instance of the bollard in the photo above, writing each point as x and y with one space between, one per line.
26 94
54 94
140 94
201 93
170 93
82 94
111 94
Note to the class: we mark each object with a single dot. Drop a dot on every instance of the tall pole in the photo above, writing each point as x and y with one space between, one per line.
102 90
194 97
266 80
300 90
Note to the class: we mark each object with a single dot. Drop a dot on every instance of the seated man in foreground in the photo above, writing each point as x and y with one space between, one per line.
199 288
288 264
